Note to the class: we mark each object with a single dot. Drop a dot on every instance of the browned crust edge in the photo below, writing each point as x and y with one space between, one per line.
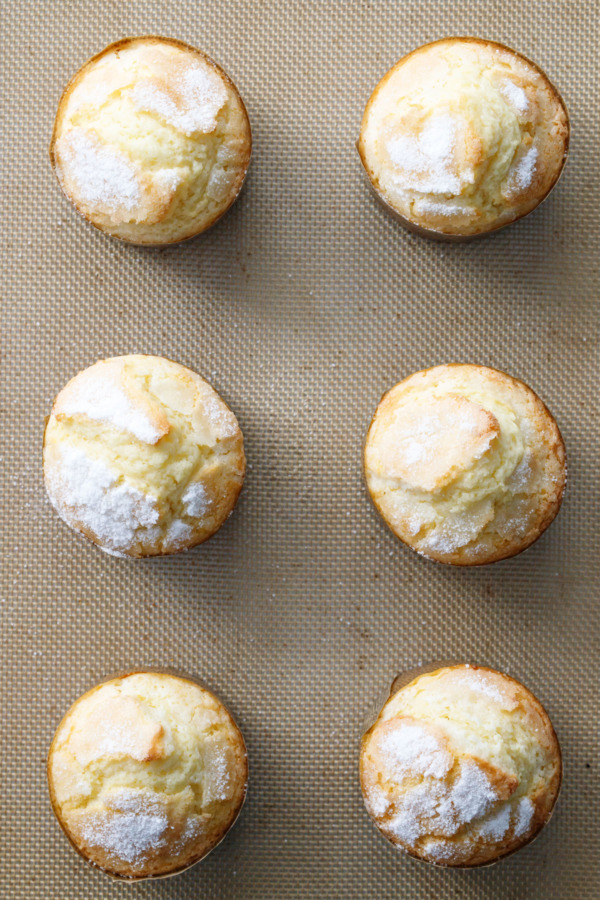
551 732
220 836
119 45
235 497
553 508
431 233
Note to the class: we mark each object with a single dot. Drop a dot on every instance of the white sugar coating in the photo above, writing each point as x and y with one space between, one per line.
435 807
429 429
196 500
98 394
220 778
112 736
378 802
130 835
179 534
103 175
411 749
131 800
526 168
455 531
193 828
415 522
95 95
168 179
521 175
440 851
476 682
425 205
414 453
219 415
414 812
495 826
427 161
521 477
113 512
470 797
201 95
515 95
524 815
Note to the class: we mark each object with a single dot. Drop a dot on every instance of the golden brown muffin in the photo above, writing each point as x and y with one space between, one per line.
463 136
465 464
147 773
461 768
151 141
142 456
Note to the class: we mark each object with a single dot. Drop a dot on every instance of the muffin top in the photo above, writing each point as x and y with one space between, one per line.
465 464
462 767
463 136
151 141
146 774
142 456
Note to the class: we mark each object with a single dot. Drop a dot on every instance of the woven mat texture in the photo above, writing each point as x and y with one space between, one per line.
302 306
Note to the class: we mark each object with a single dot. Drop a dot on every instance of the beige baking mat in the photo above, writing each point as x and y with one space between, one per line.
302 306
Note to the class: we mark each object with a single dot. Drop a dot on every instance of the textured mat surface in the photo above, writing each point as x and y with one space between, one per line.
302 306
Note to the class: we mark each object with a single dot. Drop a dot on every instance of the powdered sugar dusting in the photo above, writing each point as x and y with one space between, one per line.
426 161
85 490
98 394
102 175
409 748
192 103
515 95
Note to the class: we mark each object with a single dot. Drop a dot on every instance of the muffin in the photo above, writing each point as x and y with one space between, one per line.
463 136
147 773
142 456
461 768
465 464
151 141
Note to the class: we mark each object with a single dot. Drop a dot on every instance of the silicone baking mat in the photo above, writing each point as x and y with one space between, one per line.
302 306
